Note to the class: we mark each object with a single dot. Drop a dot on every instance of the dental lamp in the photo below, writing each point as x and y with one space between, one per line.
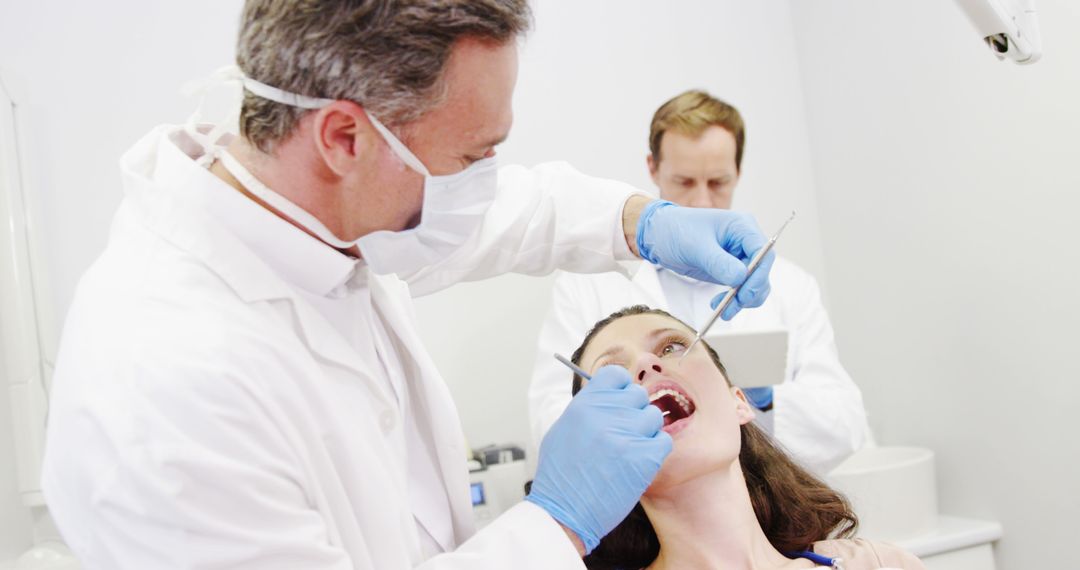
1010 28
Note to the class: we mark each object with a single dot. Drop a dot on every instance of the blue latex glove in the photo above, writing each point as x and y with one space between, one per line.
760 398
709 245
600 456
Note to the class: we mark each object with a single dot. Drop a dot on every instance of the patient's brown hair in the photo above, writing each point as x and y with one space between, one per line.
795 509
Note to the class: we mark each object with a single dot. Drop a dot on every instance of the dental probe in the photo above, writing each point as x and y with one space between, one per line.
754 264
577 370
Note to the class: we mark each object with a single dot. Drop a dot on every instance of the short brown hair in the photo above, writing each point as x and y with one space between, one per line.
692 112
794 508
387 55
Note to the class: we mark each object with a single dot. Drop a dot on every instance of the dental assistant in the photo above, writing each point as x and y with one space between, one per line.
241 383
696 145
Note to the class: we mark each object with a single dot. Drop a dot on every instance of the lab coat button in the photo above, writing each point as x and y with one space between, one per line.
386 420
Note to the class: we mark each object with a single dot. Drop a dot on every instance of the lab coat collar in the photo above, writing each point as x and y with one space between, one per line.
159 172
292 253
154 171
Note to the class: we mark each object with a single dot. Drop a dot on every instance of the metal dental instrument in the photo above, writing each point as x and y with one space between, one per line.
754 263
577 370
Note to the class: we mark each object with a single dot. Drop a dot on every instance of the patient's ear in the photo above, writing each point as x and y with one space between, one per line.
743 410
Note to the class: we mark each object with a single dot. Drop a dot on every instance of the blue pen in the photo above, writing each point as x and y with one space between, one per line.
818 559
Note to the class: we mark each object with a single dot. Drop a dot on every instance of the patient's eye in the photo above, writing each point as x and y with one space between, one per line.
672 346
611 362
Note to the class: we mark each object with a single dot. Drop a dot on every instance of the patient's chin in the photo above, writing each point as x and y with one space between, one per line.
699 450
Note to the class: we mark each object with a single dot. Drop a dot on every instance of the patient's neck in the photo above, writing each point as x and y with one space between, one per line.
709 522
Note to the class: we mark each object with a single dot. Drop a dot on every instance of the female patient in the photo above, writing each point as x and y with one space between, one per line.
726 497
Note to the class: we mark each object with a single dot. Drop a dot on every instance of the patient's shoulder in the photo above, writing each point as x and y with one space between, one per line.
862 554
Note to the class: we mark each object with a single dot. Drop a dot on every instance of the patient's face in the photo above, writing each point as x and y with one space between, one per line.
706 411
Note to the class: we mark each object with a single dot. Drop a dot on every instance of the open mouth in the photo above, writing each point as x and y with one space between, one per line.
676 404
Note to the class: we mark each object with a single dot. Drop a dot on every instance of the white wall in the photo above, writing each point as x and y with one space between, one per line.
948 193
89 79
15 521
592 74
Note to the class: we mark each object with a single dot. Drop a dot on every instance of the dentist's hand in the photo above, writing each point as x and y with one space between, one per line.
600 456
709 245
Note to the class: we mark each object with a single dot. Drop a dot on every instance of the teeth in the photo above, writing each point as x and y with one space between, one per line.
682 401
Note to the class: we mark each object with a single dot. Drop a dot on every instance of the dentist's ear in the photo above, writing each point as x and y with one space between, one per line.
743 410
342 134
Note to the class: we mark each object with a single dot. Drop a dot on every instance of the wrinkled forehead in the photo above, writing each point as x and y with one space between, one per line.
714 147
629 332
479 81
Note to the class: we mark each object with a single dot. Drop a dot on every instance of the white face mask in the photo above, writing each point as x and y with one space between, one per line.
453 207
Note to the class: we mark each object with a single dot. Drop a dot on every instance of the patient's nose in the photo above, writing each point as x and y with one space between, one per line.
648 365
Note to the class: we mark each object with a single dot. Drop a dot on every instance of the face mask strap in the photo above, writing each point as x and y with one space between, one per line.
398 147
208 137
284 97
281 203
304 102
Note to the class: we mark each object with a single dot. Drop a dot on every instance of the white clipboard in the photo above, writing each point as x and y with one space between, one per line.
752 358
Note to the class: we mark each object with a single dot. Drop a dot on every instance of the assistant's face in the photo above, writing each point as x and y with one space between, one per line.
705 410
474 117
700 171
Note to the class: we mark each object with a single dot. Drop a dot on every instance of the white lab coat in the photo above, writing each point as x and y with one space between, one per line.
818 413
205 416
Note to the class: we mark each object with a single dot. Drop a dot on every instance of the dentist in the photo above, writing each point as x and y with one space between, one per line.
240 381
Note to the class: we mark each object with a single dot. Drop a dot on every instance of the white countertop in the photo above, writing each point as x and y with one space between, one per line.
952 533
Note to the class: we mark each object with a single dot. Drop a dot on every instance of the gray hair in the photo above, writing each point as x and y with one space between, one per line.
387 55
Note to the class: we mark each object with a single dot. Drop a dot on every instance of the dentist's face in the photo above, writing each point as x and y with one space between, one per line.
705 411
699 172
474 117
476 113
